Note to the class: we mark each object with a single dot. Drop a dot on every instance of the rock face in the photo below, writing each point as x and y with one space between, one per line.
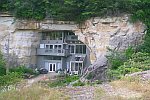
116 33
97 33
22 43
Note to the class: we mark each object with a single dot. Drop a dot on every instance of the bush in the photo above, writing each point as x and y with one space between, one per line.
79 83
116 59
22 70
2 65
137 62
2 71
63 81
9 79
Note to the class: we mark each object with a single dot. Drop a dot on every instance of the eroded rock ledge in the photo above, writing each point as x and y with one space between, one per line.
97 33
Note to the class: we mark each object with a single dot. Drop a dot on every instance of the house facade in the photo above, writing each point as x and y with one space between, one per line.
61 50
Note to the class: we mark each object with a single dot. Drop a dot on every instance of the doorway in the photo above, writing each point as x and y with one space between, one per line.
52 67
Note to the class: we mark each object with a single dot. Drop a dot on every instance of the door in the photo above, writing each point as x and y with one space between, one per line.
52 67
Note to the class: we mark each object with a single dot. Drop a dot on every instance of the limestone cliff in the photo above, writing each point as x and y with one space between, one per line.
22 43
116 33
97 33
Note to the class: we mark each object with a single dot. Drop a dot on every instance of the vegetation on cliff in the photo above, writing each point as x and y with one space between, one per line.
81 10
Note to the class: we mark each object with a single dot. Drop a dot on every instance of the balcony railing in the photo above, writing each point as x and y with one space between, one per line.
53 52
51 41
72 38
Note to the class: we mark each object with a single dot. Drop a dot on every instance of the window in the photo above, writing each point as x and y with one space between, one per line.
75 66
79 58
51 46
72 48
81 49
57 46
74 37
47 46
52 58
55 35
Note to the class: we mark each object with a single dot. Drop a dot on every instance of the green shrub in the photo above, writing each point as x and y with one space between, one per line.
116 58
79 83
137 62
63 81
2 71
2 65
22 69
9 79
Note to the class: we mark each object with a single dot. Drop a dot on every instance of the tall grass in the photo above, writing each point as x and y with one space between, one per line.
34 92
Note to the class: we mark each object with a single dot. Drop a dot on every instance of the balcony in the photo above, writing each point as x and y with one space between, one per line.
52 52
51 41
72 38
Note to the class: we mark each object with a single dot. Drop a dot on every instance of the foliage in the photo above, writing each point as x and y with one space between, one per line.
79 83
81 10
138 62
141 11
22 70
67 9
63 81
2 70
34 92
2 65
9 79
117 58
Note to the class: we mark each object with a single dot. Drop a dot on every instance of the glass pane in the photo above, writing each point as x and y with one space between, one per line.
72 66
72 49
84 49
50 67
47 46
55 47
80 64
51 46
59 46
76 66
54 66
77 48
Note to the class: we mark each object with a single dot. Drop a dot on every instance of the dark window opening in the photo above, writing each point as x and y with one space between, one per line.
54 35
81 49
72 48
75 66
79 58
52 58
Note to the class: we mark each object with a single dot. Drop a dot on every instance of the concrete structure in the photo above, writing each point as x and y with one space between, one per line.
61 50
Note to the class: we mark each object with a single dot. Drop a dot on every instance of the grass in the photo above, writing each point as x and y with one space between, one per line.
134 84
35 92
127 88
63 81
100 94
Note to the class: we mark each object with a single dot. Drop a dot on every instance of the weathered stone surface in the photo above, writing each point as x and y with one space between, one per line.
145 75
57 25
21 24
22 43
116 33
97 33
